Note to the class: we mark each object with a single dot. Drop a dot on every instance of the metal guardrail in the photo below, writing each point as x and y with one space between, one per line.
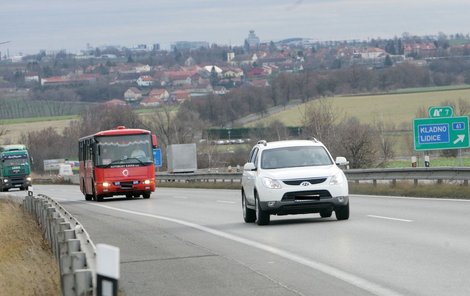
70 243
437 174
199 177
357 175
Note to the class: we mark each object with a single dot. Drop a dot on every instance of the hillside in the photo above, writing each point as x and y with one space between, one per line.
397 109
13 130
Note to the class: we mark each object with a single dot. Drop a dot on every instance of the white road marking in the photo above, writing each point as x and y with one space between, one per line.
390 218
180 197
412 198
352 279
226 201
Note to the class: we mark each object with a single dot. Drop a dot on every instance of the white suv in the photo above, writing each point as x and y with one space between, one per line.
293 177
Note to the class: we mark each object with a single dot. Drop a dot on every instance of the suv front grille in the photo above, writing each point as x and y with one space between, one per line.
297 182
306 195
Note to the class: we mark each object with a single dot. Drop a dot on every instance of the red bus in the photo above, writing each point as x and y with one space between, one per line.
117 162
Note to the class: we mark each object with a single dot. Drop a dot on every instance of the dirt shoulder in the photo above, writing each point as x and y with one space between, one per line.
27 265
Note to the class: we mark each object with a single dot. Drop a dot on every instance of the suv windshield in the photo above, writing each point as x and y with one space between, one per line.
124 150
295 157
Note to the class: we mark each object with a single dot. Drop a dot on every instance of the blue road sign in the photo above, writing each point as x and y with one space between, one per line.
433 133
157 157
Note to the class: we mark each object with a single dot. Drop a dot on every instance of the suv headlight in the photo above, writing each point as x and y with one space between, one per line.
337 179
271 183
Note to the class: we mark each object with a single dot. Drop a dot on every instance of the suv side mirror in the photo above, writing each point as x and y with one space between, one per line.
249 166
340 160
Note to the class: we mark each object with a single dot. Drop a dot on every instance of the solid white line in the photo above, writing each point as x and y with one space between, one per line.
389 218
352 279
412 198
226 201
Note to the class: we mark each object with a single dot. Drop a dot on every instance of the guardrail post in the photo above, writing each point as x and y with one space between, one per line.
83 282
107 270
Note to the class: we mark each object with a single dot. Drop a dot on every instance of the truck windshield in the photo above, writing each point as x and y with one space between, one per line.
124 150
12 160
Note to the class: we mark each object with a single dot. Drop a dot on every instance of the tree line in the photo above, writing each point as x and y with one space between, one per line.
222 110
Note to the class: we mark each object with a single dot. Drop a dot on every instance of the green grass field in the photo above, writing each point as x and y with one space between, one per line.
398 109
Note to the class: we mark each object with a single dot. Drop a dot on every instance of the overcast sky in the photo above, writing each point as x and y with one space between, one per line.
32 25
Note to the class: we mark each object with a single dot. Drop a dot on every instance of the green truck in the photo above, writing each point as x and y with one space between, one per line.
15 167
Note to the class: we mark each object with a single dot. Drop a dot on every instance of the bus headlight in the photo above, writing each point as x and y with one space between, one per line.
147 182
5 180
106 184
28 179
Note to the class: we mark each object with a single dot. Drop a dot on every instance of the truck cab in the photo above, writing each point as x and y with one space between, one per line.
15 167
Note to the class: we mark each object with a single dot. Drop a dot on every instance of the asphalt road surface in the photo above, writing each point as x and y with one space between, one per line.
194 242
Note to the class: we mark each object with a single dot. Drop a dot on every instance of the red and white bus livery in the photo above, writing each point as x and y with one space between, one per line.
117 162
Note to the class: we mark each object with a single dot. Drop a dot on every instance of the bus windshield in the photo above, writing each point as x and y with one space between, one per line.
124 150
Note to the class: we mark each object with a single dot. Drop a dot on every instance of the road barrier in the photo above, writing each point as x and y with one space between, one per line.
70 243
438 174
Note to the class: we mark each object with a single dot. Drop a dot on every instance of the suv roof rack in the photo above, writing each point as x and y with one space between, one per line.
263 142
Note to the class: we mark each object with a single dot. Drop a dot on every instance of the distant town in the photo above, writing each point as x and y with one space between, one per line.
147 76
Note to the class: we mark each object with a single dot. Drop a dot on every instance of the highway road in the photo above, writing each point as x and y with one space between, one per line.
194 242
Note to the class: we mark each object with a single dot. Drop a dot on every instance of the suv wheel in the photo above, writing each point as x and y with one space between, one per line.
249 215
262 217
342 213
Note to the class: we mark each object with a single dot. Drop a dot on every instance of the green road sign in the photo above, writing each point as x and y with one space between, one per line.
438 112
441 133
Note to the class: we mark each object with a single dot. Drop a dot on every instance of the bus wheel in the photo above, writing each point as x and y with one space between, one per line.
95 196
146 195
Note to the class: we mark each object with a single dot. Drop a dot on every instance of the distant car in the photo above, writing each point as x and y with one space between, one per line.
293 177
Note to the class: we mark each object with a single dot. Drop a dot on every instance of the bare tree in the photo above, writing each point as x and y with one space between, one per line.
183 126
464 107
103 117
357 142
319 119
278 130
44 144
385 143
161 122
210 152
187 125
